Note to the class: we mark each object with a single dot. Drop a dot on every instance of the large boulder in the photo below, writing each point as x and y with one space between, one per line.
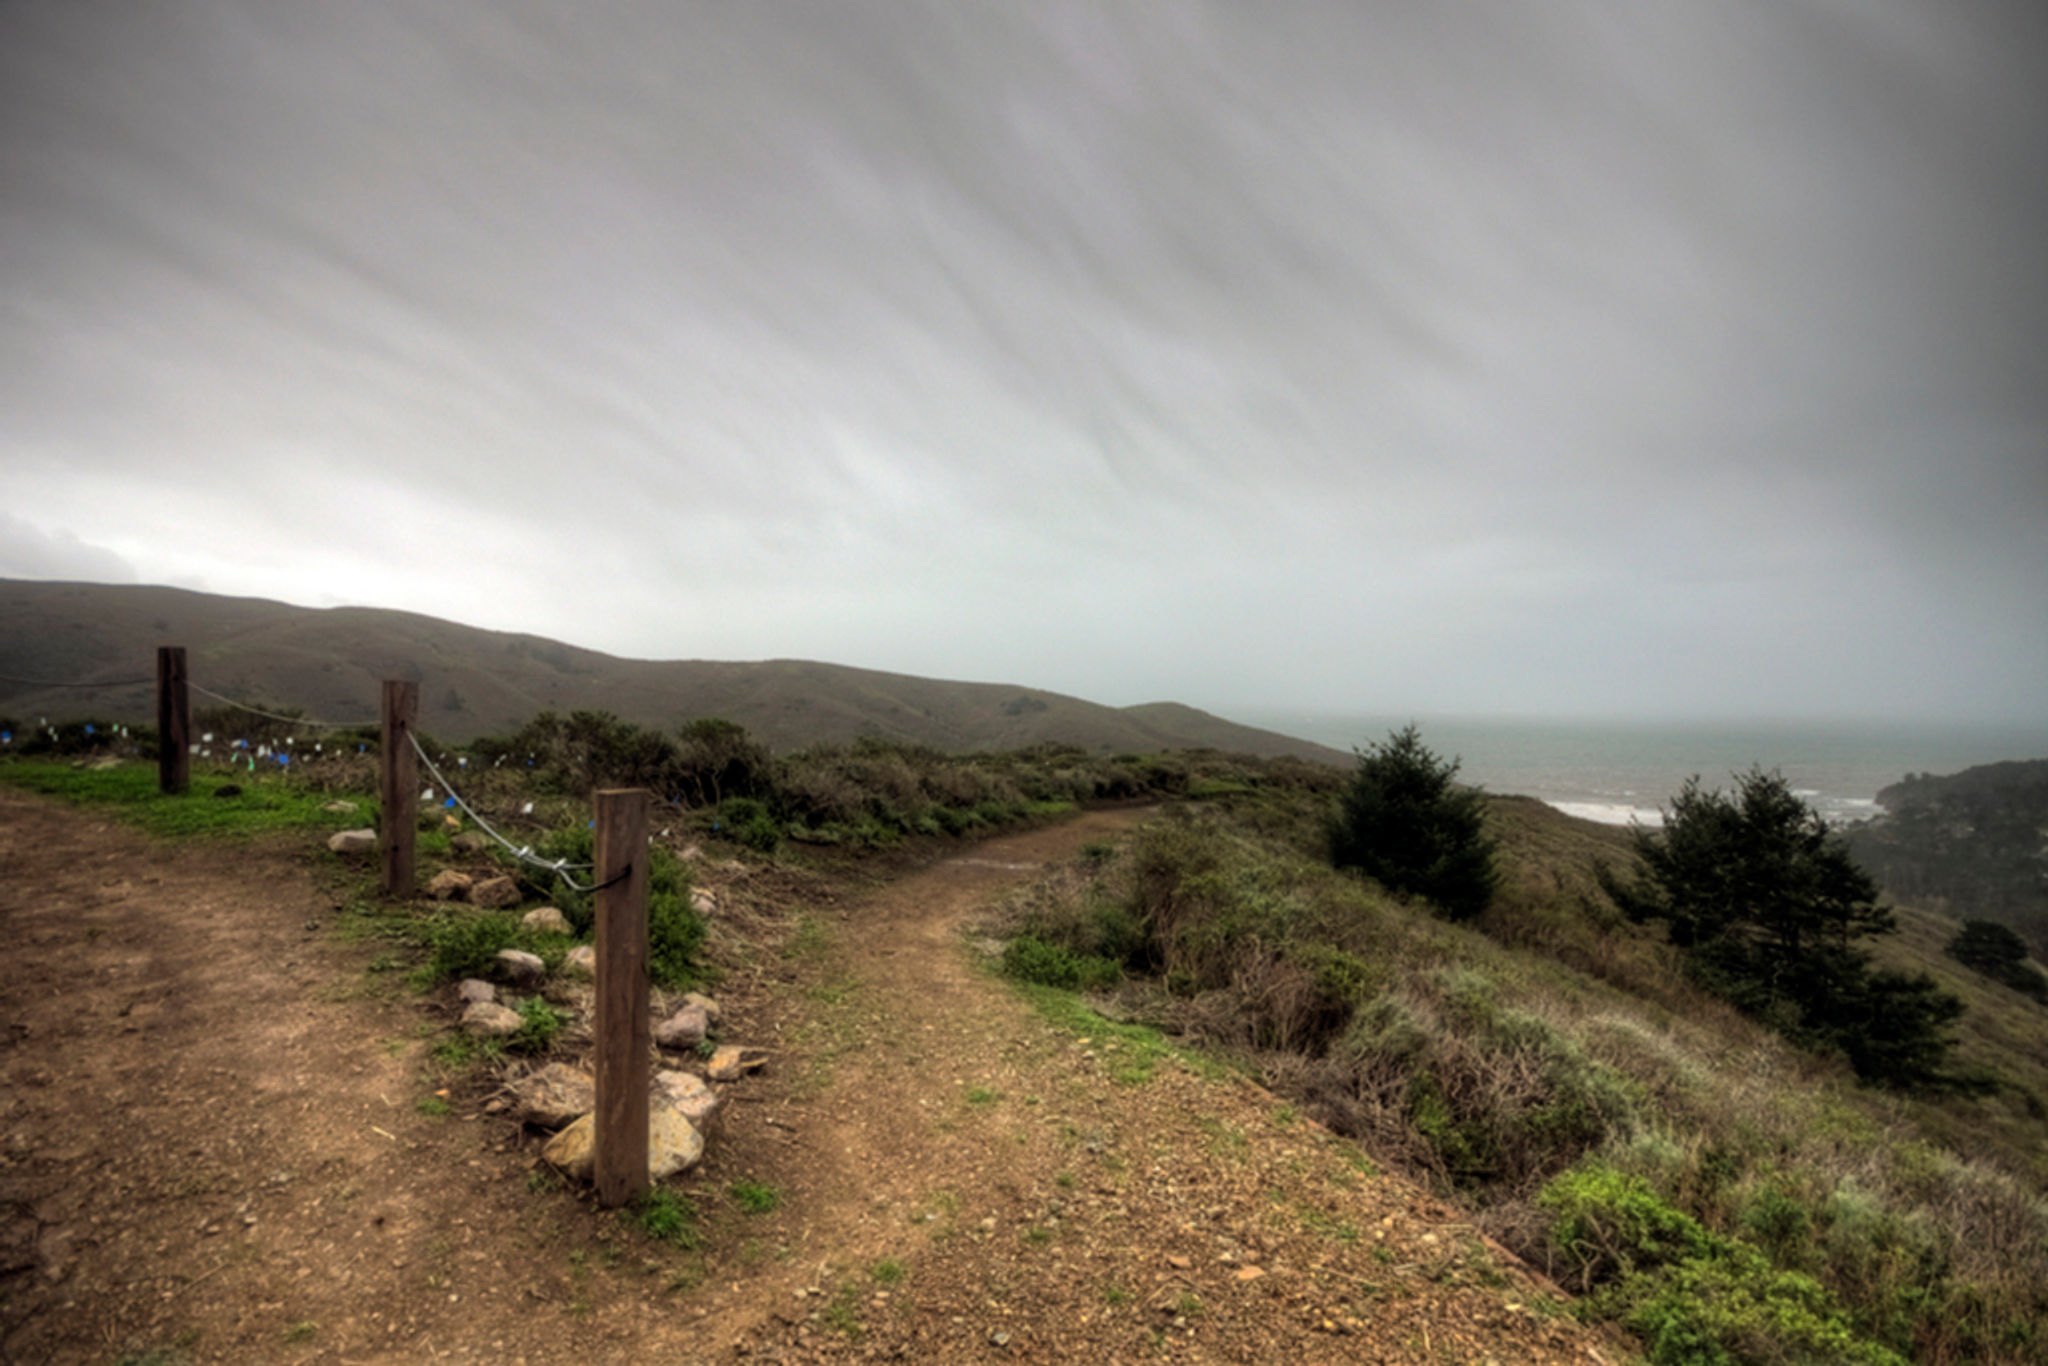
449 885
673 1144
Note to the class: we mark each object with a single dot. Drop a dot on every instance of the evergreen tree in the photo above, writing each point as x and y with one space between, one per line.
1769 907
1403 823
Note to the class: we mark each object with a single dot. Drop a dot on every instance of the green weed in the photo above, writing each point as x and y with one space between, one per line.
666 1217
755 1197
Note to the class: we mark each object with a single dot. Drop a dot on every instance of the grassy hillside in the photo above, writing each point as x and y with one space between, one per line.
329 663
1722 1194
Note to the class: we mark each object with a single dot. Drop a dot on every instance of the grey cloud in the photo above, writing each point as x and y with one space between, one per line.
28 551
1536 356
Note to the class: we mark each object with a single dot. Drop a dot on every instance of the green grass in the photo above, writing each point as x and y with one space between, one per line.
130 794
755 1197
888 1271
666 1217
1130 1053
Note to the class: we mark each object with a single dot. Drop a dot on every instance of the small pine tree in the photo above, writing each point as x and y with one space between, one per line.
1405 824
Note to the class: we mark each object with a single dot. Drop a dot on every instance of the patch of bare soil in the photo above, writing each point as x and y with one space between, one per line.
213 1148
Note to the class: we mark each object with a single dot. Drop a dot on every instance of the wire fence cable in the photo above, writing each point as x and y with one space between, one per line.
51 683
523 852
274 716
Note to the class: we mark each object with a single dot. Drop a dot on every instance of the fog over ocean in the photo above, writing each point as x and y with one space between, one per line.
1615 772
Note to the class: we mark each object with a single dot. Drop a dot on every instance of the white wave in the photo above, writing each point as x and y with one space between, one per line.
1610 813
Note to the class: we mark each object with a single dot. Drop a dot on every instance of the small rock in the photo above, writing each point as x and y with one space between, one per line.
692 853
452 824
520 967
474 990
547 920
709 1006
687 1092
448 885
353 841
471 842
581 962
1180 1263
338 807
673 1144
684 1029
731 1062
702 901
494 893
999 1338
489 1020
555 1095
1250 1273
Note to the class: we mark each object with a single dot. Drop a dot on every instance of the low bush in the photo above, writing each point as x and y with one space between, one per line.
1029 959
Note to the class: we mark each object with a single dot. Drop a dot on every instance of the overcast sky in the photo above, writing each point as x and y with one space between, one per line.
1570 358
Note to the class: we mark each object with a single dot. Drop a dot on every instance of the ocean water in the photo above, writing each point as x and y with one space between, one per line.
1622 772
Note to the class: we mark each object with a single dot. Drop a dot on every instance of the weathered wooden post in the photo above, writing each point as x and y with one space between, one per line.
173 722
622 1032
399 786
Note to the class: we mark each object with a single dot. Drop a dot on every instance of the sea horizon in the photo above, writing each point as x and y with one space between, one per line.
1616 772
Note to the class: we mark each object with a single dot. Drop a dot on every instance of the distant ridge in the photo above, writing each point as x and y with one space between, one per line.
329 662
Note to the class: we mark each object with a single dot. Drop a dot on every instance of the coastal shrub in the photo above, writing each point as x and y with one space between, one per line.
1691 1295
1998 952
717 759
464 945
747 822
1403 823
1027 958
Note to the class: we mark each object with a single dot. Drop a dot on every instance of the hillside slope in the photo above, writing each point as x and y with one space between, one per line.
329 662
1974 843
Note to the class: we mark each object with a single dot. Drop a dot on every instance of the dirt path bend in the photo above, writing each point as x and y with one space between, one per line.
219 1142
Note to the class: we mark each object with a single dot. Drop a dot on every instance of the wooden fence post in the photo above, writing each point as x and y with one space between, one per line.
399 786
622 1032
173 722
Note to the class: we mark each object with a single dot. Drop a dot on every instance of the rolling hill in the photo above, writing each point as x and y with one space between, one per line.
329 662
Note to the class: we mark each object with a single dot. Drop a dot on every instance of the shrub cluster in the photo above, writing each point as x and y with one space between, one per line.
868 793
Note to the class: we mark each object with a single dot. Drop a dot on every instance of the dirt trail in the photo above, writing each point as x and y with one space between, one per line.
212 1149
